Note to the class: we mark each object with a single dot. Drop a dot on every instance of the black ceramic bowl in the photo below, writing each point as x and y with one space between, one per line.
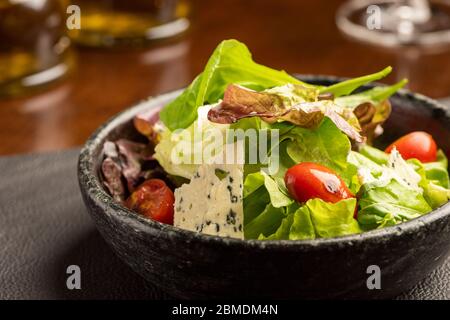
190 265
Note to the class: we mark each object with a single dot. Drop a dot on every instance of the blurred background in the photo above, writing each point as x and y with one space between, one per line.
67 66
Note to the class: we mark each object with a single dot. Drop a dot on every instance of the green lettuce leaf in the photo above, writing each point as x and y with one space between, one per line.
361 161
434 175
333 219
385 205
297 225
231 62
348 86
252 182
317 219
266 223
189 145
437 171
376 155
434 181
371 107
326 145
254 204
278 198
375 95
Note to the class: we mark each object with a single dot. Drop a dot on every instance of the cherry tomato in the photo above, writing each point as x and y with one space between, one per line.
309 180
419 145
153 199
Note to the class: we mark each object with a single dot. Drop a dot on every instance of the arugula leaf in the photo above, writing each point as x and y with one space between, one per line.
231 62
348 86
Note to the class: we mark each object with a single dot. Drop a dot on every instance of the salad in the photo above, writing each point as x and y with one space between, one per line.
250 152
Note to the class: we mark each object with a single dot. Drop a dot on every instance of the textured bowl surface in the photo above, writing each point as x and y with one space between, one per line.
190 265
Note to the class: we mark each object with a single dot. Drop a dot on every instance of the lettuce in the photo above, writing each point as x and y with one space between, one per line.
297 225
434 175
395 190
346 87
188 145
231 62
252 182
278 198
375 95
266 194
386 205
376 155
254 204
437 172
289 105
326 145
265 223
317 219
371 107
434 180
264 205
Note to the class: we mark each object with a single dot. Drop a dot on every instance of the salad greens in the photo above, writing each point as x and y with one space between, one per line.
332 126
344 88
317 219
389 204
230 63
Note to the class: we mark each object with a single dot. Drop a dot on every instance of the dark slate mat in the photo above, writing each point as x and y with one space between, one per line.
44 228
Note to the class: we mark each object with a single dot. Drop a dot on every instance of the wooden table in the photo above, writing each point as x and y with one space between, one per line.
296 35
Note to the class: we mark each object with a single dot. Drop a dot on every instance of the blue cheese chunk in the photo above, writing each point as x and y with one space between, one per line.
212 202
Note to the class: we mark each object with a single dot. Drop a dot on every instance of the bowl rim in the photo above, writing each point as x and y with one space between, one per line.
97 193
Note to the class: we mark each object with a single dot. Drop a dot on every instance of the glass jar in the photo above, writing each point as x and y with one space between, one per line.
111 23
34 46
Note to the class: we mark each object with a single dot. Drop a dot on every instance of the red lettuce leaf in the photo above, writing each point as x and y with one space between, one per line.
239 103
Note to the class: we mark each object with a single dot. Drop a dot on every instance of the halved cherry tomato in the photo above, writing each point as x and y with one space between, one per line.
309 180
419 145
153 199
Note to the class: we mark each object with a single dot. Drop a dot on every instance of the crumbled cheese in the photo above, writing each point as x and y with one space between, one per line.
402 171
365 176
212 202
396 169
